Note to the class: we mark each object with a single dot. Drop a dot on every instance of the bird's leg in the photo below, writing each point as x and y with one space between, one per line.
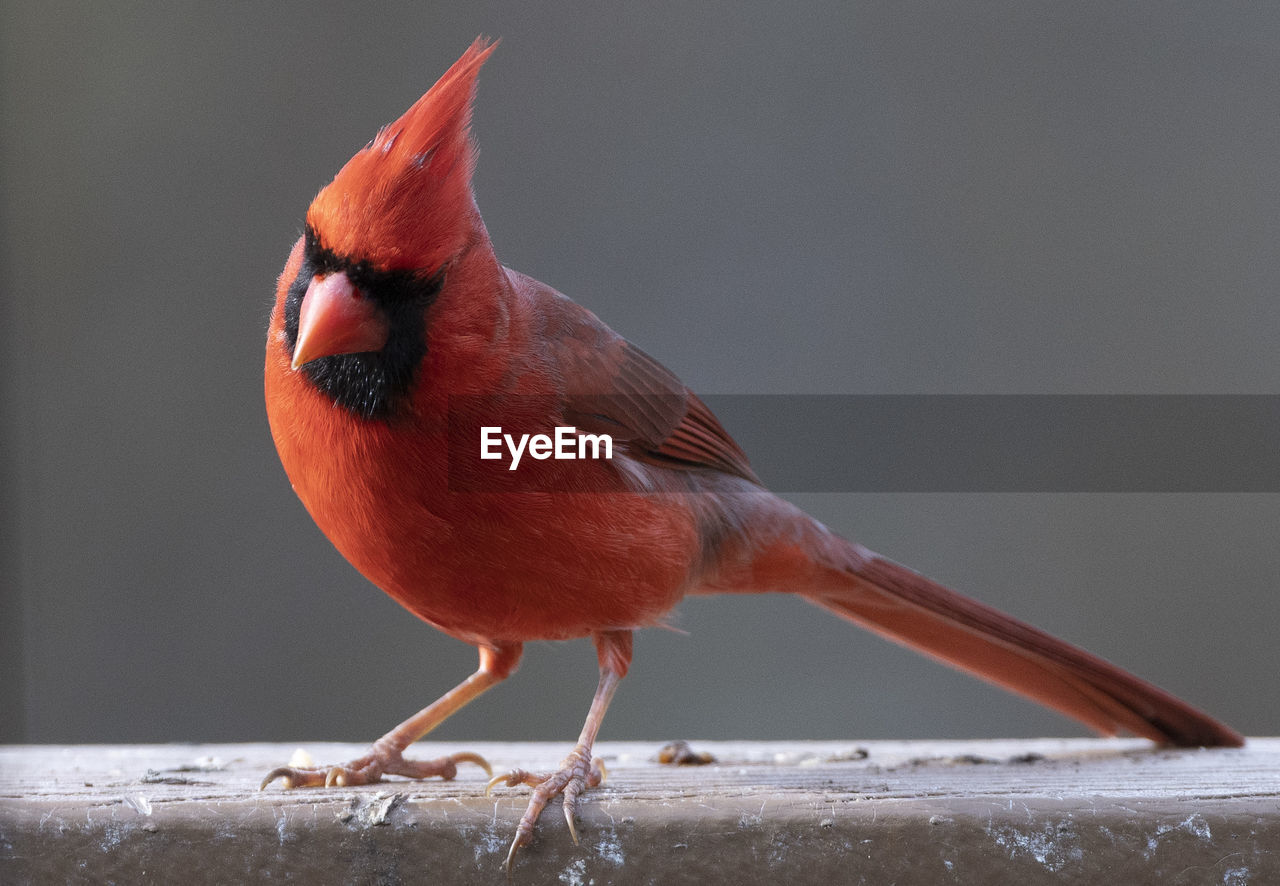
386 756
579 770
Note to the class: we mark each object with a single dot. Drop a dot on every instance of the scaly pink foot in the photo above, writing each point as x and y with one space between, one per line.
577 772
382 759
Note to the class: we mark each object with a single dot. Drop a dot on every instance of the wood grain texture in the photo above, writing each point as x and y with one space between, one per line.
1044 811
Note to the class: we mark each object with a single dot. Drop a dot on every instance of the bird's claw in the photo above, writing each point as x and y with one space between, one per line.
577 772
369 769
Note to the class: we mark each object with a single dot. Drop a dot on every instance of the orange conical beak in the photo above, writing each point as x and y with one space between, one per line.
337 318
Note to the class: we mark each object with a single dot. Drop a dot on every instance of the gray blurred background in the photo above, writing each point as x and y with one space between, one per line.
771 198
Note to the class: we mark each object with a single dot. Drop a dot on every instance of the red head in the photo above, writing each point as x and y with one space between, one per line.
396 223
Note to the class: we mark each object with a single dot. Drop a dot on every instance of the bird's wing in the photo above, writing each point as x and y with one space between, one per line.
610 386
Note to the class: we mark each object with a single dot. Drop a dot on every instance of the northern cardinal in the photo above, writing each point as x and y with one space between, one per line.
395 325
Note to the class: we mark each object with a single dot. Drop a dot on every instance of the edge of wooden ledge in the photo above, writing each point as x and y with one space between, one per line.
1045 810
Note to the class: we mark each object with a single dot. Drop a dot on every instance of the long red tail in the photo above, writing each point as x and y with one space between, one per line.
910 609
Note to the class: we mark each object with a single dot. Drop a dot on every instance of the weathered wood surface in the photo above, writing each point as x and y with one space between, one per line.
1024 812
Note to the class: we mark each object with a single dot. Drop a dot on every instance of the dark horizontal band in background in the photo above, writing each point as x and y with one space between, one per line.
1008 443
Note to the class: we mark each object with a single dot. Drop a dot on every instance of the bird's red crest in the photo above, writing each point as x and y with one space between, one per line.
404 201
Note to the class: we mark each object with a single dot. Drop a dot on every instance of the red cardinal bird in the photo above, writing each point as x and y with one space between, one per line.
395 325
